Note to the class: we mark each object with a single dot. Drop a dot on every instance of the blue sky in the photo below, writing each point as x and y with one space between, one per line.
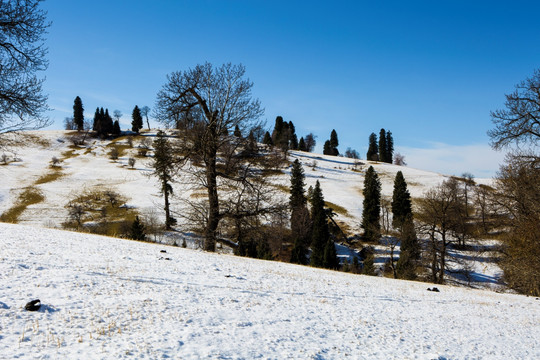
429 71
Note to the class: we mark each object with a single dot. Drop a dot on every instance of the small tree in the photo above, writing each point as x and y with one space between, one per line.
302 145
401 201
334 143
137 121
352 154
372 206
145 111
399 160
138 230
310 142
131 162
373 150
163 165
116 128
300 221
267 140
78 114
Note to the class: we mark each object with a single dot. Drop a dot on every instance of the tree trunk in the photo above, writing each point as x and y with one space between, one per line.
442 260
167 212
213 203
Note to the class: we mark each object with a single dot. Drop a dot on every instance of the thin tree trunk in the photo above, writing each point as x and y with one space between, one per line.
213 202
167 212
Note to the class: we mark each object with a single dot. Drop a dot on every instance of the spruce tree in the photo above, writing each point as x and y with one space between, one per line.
278 130
372 206
401 201
389 148
97 122
334 143
383 156
330 260
409 251
300 222
373 149
138 230
237 132
327 148
163 165
320 233
78 114
137 120
302 144
368 267
108 122
116 128
267 140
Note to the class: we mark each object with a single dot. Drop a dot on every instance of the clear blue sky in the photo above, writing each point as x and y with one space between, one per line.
429 71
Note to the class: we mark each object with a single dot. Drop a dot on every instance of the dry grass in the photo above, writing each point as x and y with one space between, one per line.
121 148
50 177
29 196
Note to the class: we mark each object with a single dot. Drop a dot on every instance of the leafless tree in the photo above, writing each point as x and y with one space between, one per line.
117 114
310 142
145 110
22 54
206 103
399 159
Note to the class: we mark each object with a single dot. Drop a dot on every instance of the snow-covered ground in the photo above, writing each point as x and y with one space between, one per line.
119 299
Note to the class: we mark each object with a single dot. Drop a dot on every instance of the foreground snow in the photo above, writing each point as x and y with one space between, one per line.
112 298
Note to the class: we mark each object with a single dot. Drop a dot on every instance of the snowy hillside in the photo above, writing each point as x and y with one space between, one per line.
110 298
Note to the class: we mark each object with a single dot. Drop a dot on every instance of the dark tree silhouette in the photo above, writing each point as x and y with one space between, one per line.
78 114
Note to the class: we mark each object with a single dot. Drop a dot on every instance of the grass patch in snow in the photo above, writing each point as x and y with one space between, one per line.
282 187
50 177
29 196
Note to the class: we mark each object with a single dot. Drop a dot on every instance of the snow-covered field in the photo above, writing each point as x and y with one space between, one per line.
111 298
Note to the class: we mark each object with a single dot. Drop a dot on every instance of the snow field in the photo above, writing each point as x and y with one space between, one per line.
112 298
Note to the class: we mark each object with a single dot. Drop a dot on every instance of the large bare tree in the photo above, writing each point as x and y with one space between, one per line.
22 54
206 103
519 122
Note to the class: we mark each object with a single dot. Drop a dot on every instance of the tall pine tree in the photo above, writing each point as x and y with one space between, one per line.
334 143
372 206
137 120
389 147
320 233
267 140
78 114
383 156
373 149
302 144
300 221
401 202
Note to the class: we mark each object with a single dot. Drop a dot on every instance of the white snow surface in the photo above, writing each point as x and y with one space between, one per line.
107 298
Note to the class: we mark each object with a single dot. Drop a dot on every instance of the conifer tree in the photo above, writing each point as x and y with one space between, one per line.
327 148
389 148
78 114
302 144
137 120
334 143
320 233
116 128
330 260
97 122
369 265
267 140
409 251
300 222
138 230
401 201
108 122
163 165
237 132
278 130
383 156
373 150
372 206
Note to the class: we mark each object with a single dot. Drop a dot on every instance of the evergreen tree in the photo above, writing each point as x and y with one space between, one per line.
383 156
302 145
373 150
310 142
163 165
251 146
137 120
267 140
334 143
320 233
237 132
97 122
278 130
389 148
293 142
300 222
78 114
327 148
116 128
372 206
138 230
108 122
401 201
369 265
330 260
409 252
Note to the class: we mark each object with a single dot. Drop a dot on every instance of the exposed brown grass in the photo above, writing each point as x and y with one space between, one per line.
50 177
336 208
29 196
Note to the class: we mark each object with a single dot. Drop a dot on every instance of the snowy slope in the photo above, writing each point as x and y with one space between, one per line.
111 298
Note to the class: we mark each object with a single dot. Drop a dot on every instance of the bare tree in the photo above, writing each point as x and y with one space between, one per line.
399 159
145 110
207 103
310 142
117 114
22 54
520 121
